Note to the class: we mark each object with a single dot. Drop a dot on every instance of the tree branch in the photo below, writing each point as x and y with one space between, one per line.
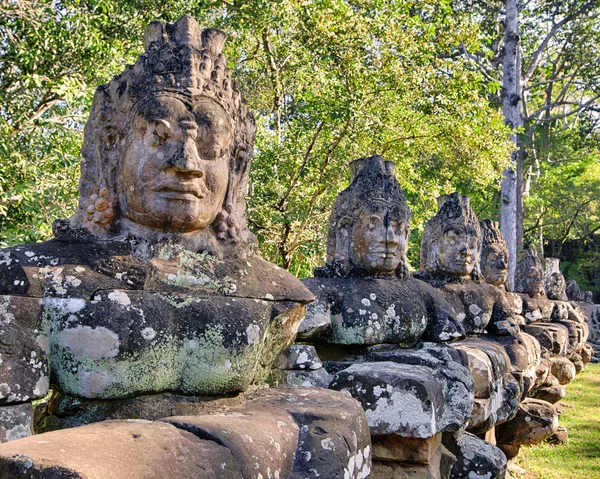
537 56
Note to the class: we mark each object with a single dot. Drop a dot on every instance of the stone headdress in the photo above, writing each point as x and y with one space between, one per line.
180 61
528 263
491 235
554 281
372 185
454 211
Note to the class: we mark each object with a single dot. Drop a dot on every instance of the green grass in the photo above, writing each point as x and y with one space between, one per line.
580 457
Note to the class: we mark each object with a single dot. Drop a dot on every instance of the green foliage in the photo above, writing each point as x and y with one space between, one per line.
52 57
328 81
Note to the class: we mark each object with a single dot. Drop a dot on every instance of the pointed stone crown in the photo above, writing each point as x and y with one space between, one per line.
491 234
528 263
454 211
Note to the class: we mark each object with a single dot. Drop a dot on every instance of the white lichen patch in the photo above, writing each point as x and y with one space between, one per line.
6 317
41 387
148 333
402 411
87 342
119 297
253 333
18 432
328 444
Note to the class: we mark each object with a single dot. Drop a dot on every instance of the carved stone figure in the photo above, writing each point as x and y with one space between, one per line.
450 252
167 146
155 283
529 275
363 292
452 240
554 281
574 292
494 254
369 225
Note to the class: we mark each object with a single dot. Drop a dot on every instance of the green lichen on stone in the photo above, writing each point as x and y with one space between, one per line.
217 360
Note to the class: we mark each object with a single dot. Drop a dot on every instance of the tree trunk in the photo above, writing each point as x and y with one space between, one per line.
510 218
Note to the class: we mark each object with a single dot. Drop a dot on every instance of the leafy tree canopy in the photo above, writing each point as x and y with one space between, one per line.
328 81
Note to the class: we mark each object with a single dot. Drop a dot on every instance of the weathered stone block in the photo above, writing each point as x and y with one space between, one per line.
439 467
552 393
475 458
312 378
450 367
299 356
563 369
291 433
118 450
397 398
23 364
536 420
132 342
392 447
379 310
16 422
553 337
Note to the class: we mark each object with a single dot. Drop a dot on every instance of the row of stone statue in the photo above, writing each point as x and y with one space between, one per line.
470 352
152 303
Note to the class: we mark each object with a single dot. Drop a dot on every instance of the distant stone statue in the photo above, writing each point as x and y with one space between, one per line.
529 275
494 255
155 283
554 281
450 261
364 293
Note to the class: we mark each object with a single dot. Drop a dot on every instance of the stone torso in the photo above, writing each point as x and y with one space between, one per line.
375 311
116 319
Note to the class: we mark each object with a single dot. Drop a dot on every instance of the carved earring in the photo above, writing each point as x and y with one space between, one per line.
101 207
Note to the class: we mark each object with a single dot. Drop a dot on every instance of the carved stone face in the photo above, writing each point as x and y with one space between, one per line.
458 250
494 264
379 241
533 282
175 172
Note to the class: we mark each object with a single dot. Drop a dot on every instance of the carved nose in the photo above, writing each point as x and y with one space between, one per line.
501 263
390 237
187 160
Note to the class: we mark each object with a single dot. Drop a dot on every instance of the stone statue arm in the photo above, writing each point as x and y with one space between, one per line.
503 321
575 314
442 324
24 373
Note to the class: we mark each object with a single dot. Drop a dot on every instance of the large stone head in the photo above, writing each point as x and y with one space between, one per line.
529 274
494 254
168 143
370 224
554 282
452 240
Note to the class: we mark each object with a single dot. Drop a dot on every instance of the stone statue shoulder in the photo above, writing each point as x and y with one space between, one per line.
78 269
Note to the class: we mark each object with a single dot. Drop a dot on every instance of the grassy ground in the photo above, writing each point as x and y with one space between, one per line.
580 457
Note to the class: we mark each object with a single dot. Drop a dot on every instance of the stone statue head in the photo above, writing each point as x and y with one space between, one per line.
574 292
168 144
529 274
554 282
494 254
452 240
369 224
